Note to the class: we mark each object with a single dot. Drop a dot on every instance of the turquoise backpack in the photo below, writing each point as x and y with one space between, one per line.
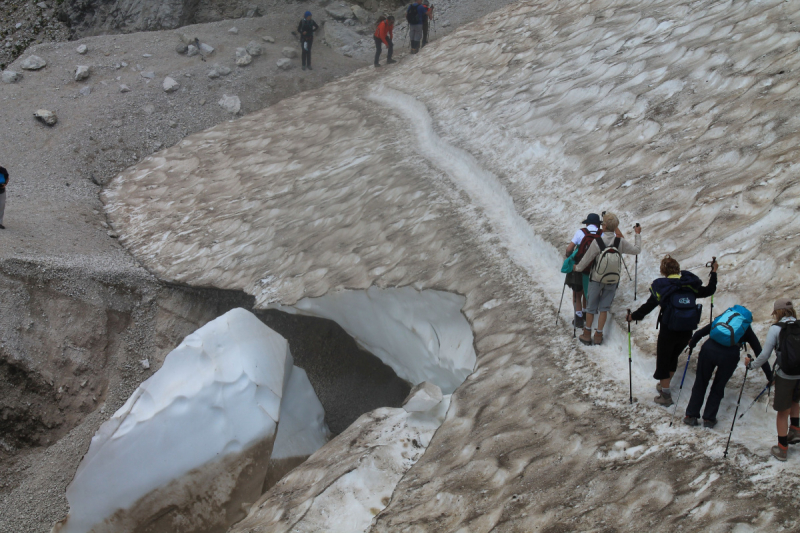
729 327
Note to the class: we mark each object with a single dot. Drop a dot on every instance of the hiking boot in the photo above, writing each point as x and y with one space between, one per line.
664 399
377 65
794 435
598 337
579 322
658 386
779 452
390 61
309 68
304 67
709 423
2 226
690 420
586 337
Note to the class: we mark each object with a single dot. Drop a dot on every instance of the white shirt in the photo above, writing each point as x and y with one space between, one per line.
579 235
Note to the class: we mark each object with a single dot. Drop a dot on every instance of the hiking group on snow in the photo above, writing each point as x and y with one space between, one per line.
593 267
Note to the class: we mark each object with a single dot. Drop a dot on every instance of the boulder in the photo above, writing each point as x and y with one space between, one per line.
81 73
284 63
11 76
289 52
207 49
231 104
181 47
337 35
362 14
422 398
339 11
268 39
170 85
45 116
242 57
191 50
82 49
33 63
254 49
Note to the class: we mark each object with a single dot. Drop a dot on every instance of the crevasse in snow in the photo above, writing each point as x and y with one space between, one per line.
193 442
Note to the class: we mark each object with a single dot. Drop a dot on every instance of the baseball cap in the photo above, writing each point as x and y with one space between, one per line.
593 218
783 303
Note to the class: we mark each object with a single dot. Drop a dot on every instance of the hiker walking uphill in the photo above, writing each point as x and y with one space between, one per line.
783 337
676 293
605 257
426 22
384 33
577 280
415 14
3 182
306 29
728 333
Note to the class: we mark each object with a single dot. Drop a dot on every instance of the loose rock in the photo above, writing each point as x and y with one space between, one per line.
81 73
47 117
423 397
339 11
222 69
85 91
149 74
33 63
170 85
268 39
242 57
191 50
361 14
82 49
254 49
234 30
124 88
206 48
284 63
289 52
181 47
213 74
231 104
11 76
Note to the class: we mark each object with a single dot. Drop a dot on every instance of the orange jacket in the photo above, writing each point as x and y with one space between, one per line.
384 29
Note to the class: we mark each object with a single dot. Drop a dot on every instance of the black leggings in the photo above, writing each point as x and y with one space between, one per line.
307 53
389 47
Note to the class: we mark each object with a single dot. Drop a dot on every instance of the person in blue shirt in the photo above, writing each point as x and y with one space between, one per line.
415 15
3 183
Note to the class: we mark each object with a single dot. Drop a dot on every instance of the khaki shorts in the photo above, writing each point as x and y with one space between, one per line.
787 391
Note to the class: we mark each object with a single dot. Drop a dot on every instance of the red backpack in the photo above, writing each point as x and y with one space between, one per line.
586 242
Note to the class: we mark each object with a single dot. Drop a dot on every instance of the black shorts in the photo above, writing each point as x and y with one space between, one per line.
787 392
668 349
575 281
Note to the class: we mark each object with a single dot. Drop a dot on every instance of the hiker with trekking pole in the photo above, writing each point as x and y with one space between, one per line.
604 256
426 20
415 15
783 338
676 293
576 280
728 334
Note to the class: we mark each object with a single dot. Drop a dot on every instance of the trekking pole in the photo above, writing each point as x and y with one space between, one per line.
735 412
636 271
766 387
630 361
710 264
685 368
626 268
563 289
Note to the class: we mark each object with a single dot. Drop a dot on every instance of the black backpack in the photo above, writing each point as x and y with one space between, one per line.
680 310
789 347
412 15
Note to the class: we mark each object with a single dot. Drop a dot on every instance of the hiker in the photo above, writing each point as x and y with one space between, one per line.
783 337
415 14
384 34
306 29
426 22
576 280
3 182
676 292
727 336
605 256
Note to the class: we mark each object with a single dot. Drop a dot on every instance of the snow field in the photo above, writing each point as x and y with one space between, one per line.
197 435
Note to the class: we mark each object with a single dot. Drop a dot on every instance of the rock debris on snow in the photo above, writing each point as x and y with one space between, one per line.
81 73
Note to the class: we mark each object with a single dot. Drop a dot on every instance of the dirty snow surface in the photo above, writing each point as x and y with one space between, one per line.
466 169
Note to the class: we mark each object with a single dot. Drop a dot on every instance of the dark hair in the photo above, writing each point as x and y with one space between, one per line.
670 266
390 18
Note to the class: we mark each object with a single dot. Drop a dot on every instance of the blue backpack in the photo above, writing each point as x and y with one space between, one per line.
729 327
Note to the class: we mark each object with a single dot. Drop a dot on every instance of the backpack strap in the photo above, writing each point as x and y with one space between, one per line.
616 243
600 244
